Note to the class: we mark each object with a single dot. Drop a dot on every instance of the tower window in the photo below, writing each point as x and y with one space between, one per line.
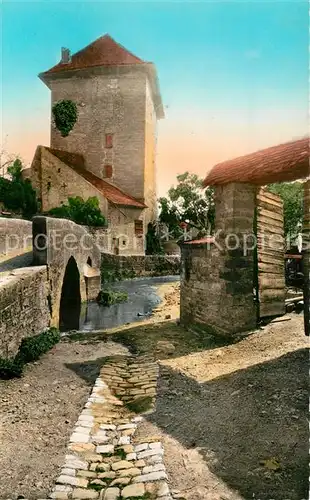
138 227
108 171
109 140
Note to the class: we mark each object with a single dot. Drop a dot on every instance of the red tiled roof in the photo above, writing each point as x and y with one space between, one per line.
283 163
111 193
102 52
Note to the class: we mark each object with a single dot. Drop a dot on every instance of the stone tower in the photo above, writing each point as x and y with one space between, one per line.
118 101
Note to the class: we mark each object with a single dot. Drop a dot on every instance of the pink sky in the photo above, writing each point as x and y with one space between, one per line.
194 145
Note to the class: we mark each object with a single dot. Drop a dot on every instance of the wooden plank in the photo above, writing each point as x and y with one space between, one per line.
270 268
276 247
270 259
266 252
262 198
268 213
271 309
266 219
275 282
266 206
268 231
272 295
269 225
269 195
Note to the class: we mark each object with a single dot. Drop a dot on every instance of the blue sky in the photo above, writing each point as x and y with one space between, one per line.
233 75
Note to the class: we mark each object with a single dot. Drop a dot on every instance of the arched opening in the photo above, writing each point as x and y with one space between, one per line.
89 262
70 302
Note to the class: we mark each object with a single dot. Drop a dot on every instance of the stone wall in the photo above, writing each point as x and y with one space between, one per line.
55 182
24 310
142 265
217 281
15 236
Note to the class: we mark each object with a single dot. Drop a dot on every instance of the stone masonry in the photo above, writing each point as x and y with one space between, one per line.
103 461
24 310
117 95
217 280
15 236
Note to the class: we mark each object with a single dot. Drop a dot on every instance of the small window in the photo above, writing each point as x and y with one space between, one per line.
138 227
109 140
108 171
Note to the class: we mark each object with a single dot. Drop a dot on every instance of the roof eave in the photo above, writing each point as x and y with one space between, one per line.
136 207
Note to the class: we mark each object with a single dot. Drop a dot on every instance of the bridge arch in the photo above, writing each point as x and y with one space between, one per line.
70 300
71 256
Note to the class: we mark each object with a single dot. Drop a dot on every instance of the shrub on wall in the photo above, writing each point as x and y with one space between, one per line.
17 194
65 116
86 213
30 350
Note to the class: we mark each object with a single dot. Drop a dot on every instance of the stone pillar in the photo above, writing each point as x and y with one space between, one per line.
235 205
217 279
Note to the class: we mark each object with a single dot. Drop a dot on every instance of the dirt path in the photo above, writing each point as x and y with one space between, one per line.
232 418
38 412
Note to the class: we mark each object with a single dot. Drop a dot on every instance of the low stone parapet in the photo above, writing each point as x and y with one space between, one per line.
24 310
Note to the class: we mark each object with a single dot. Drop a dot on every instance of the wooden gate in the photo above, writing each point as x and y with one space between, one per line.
270 255
306 255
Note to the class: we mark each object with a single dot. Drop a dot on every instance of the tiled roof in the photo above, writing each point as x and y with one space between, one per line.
102 52
111 193
282 163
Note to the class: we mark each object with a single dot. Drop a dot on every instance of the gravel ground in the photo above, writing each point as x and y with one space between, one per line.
38 413
233 420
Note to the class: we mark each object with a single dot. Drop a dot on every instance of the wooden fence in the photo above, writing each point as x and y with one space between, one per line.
270 254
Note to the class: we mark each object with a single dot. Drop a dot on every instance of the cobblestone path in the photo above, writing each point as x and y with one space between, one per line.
102 461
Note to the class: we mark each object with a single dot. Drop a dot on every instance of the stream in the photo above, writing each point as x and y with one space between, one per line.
142 299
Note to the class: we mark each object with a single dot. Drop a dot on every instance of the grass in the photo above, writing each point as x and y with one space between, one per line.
146 496
30 350
120 453
109 297
95 486
140 405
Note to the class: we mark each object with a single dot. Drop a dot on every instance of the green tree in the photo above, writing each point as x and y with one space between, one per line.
292 196
153 243
86 213
17 194
188 202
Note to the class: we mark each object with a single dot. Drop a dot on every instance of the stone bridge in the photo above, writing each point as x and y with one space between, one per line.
64 271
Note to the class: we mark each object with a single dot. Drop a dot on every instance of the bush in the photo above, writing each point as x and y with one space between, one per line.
109 297
33 347
9 368
86 213
110 273
17 194
65 116
30 350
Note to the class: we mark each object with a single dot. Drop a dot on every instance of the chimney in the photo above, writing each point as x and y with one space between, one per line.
65 55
